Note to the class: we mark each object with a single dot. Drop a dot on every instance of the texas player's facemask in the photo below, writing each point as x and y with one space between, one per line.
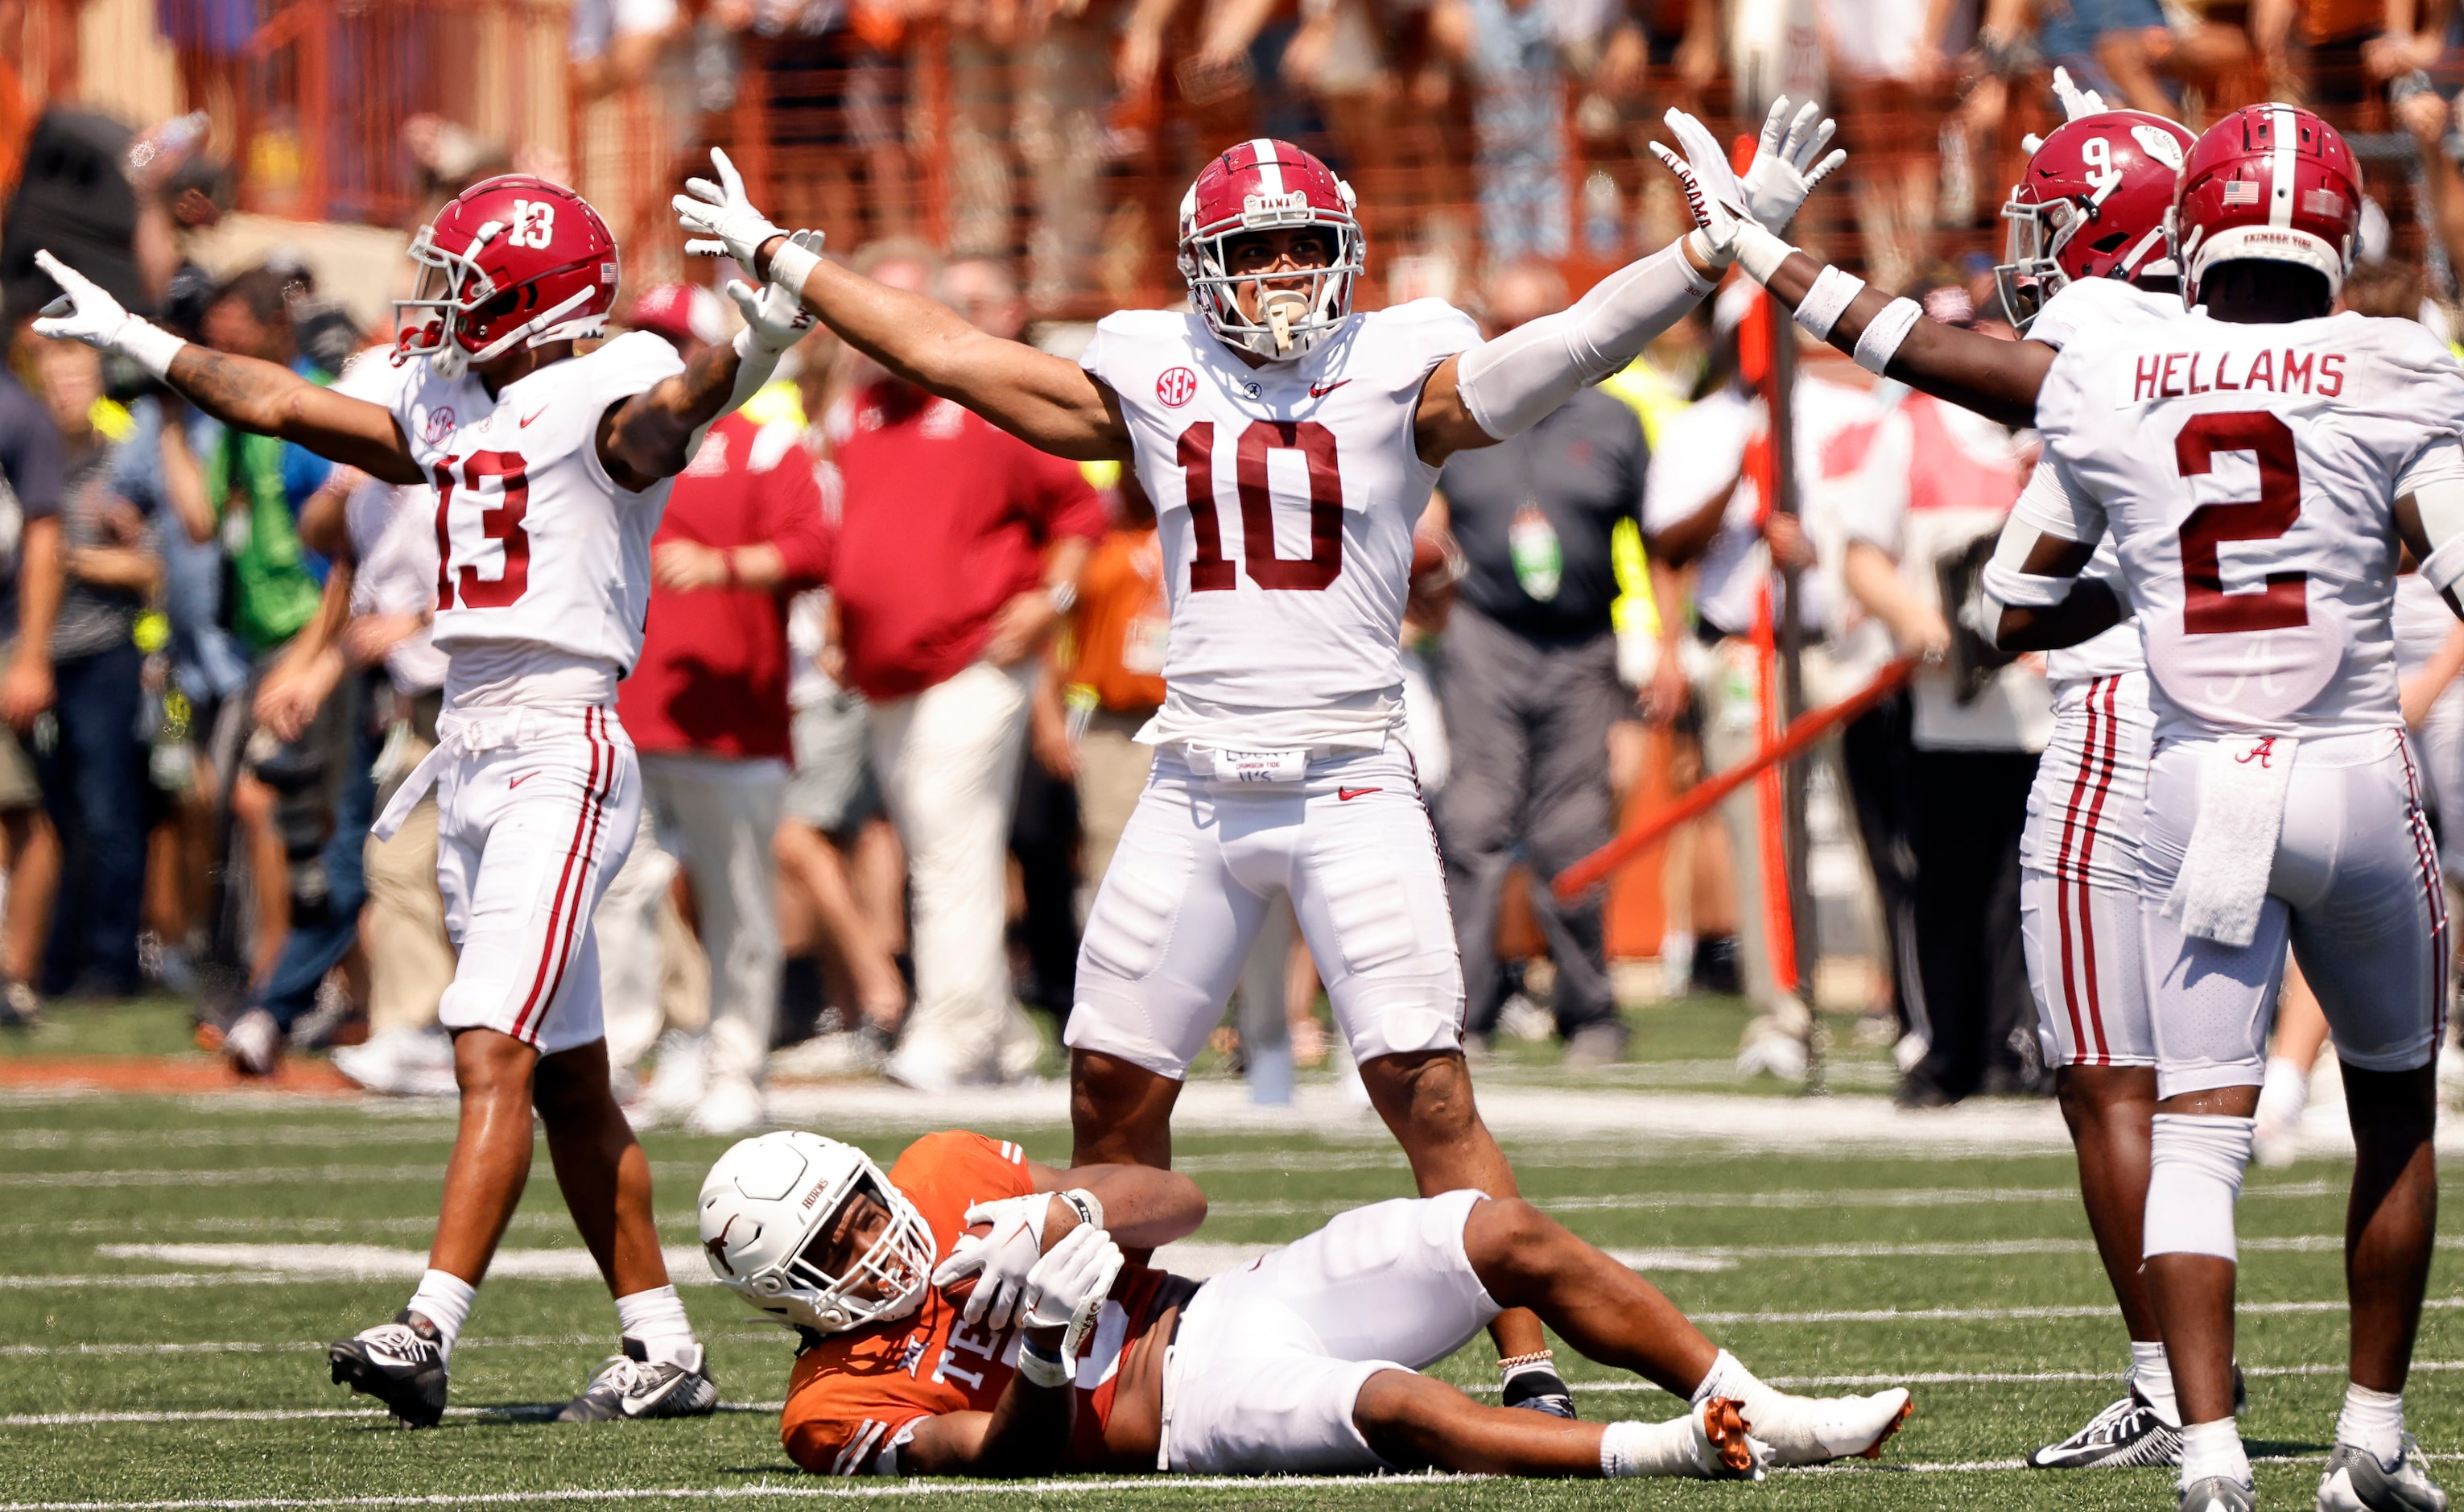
510 261
811 1231
2267 184
1261 185
2091 205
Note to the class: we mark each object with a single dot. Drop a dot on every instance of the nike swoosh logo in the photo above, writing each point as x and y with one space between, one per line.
1347 794
532 415
1319 391
523 778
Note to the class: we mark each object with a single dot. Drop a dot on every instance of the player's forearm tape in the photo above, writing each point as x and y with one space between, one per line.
2008 585
2195 1165
149 347
1509 383
1044 1368
1088 1207
2436 484
1882 337
1827 300
791 265
1760 253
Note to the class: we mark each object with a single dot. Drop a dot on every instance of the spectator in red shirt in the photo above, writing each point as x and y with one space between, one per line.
958 551
707 703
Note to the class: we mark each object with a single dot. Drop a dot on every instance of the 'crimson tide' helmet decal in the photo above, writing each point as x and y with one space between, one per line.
2271 182
510 261
2091 205
1266 184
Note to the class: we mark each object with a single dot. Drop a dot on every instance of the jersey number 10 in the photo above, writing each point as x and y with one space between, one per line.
499 520
1210 568
2207 608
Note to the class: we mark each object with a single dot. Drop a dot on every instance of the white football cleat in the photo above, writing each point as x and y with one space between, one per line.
1816 1430
2355 1481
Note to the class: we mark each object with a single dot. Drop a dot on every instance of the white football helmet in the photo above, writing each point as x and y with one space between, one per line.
772 1199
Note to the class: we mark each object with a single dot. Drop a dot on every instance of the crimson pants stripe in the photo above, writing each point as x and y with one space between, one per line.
2062 885
585 828
2425 858
2087 849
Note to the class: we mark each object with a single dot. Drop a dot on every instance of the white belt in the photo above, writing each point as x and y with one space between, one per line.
1225 763
469 732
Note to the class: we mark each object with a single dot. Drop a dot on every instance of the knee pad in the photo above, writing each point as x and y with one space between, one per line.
2196 1164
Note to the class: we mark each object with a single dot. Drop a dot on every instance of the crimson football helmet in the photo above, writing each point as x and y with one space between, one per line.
511 259
1264 185
2271 182
2091 205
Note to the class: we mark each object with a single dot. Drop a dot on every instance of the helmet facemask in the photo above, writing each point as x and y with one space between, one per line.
1296 309
886 1281
2031 271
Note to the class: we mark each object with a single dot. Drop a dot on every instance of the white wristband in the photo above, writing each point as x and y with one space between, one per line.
791 265
149 346
1827 300
1882 337
1718 258
1042 1370
1760 253
1089 1208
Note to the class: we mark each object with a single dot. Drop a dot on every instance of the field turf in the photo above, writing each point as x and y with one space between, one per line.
135 1375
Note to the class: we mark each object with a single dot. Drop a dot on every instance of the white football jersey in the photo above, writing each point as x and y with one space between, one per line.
2096 305
1285 497
539 545
2248 475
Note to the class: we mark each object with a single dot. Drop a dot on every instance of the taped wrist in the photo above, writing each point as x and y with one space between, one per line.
1088 1207
1041 1367
149 346
1509 383
1833 292
1882 340
791 265
1759 252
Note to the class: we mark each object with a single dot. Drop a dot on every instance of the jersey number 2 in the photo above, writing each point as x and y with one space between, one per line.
2207 608
499 520
1210 568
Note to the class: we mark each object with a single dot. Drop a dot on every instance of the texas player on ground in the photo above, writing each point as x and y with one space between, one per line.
918 1358
2086 254
2259 465
551 471
1289 445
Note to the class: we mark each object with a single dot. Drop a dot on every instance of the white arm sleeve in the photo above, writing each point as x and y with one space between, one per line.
2050 505
2435 481
1511 383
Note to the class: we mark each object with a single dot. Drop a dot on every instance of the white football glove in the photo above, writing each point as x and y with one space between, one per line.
1712 195
86 312
999 1260
1784 171
1067 1288
2074 100
775 314
721 219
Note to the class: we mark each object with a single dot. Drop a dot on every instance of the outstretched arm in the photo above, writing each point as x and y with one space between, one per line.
242 393
1046 401
1995 378
655 434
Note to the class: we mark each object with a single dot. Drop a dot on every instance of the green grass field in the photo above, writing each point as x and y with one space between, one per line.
135 1374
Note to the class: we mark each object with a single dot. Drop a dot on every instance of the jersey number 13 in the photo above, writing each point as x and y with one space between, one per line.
500 520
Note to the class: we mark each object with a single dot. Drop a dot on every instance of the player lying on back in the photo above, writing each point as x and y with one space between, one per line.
2086 255
2260 466
551 471
1289 444
969 1313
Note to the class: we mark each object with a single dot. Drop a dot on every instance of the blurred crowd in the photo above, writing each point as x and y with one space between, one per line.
896 662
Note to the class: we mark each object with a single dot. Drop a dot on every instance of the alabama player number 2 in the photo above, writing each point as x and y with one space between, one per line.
2207 608
500 520
1210 568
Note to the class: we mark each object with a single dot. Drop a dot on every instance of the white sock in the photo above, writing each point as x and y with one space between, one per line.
2213 1449
444 1300
2373 1420
657 1319
1651 1449
2153 1375
1728 1377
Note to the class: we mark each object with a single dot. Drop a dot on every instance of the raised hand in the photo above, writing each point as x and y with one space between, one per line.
721 219
84 312
2074 100
1712 193
1788 162
776 314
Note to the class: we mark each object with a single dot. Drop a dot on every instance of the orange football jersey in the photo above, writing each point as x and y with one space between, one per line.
853 1395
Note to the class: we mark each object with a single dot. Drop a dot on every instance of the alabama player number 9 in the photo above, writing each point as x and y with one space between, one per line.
1210 568
2207 608
499 520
